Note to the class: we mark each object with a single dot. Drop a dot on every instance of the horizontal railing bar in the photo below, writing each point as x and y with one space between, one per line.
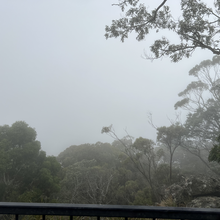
108 211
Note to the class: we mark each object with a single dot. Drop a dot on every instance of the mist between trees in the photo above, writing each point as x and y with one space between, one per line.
131 171
127 171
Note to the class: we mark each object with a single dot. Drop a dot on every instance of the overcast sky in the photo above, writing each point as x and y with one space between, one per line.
61 76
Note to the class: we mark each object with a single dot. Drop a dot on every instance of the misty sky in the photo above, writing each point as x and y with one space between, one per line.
61 76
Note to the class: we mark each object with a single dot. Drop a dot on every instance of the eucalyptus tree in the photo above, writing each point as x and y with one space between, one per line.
197 26
142 155
204 91
171 137
202 99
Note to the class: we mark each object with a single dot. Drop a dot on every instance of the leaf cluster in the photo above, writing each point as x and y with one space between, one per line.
196 27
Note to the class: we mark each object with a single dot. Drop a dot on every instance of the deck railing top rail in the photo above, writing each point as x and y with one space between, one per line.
107 211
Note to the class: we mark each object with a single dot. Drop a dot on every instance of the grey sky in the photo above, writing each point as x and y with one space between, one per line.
60 75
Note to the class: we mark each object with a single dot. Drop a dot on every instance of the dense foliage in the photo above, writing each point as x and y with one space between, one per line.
125 172
26 173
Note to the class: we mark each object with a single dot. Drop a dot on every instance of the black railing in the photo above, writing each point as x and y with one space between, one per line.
55 209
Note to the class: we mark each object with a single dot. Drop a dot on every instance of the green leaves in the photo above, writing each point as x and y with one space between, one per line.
144 145
172 135
198 27
20 134
26 174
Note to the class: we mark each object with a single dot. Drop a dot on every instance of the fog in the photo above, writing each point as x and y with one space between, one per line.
61 76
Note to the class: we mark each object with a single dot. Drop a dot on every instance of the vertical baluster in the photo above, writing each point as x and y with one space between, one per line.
16 217
98 217
126 218
71 217
43 217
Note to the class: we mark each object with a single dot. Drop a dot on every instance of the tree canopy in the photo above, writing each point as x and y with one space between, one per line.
201 98
196 27
26 173
171 137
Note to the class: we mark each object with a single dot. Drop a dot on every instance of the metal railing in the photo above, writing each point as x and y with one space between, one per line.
154 212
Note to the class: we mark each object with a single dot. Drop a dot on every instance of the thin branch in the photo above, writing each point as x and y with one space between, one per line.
120 3
157 9
154 16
